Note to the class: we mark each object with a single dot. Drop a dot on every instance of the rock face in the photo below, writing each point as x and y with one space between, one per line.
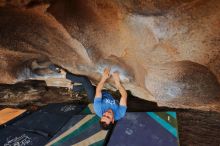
35 93
184 82
146 41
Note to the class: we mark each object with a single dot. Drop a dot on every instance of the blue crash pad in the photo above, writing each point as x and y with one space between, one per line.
150 129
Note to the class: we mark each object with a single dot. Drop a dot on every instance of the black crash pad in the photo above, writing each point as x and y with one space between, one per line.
49 119
11 136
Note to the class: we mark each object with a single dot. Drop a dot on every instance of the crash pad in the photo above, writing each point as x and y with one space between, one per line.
88 110
11 136
146 128
80 130
65 109
49 119
8 114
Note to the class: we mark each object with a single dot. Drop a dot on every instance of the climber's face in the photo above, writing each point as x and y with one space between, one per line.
108 117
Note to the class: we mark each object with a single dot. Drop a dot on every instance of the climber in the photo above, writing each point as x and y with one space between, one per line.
106 107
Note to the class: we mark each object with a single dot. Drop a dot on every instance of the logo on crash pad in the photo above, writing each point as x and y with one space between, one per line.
68 108
22 140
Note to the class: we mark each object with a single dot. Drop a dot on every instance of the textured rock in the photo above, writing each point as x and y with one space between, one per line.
170 31
27 93
137 38
185 82
28 35
198 128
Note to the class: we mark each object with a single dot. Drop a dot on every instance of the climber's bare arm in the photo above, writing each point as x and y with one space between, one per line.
119 86
100 85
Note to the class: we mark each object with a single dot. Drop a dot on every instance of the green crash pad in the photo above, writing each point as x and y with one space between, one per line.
80 130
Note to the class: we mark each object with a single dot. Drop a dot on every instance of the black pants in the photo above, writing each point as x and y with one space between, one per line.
86 85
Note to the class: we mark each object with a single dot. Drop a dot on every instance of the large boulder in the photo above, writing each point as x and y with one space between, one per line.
184 84
146 41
